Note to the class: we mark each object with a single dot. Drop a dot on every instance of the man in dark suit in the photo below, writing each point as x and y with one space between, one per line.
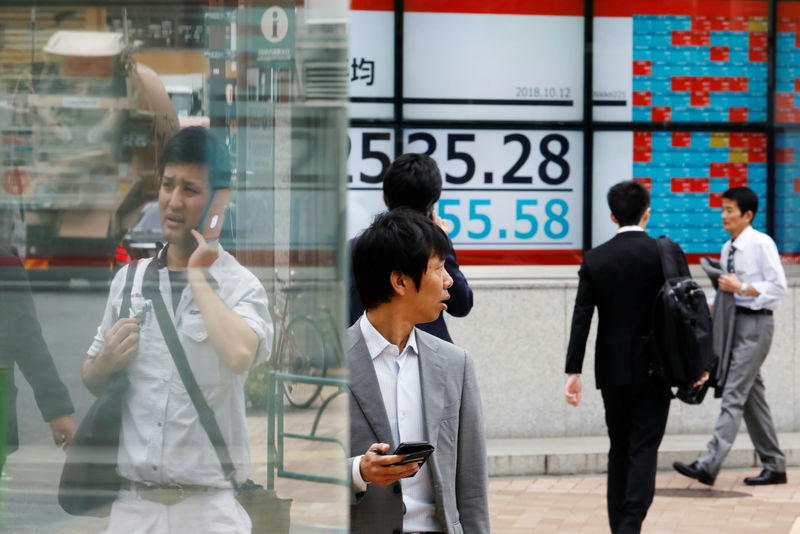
622 278
407 385
21 344
414 181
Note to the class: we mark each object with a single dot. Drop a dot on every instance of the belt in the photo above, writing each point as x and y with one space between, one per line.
168 494
741 310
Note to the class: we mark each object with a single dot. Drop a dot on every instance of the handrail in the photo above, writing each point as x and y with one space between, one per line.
276 433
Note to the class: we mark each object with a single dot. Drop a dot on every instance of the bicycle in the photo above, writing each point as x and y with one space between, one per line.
302 347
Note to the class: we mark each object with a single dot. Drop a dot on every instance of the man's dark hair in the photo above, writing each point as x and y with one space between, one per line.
412 181
196 145
745 198
628 202
401 240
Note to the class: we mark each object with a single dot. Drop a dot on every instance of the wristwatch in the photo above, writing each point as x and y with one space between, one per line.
744 288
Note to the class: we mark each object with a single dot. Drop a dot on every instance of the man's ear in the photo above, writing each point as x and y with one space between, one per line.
749 216
614 219
399 282
645 217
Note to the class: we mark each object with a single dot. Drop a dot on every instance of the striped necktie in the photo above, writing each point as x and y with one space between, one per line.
730 259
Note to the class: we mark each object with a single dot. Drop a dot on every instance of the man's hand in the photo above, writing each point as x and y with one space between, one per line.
572 389
63 428
205 254
376 467
441 223
702 380
729 282
121 343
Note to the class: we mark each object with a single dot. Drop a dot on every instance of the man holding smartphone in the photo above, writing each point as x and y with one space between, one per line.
409 386
173 480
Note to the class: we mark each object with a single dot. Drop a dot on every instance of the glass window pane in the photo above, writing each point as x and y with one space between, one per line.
92 103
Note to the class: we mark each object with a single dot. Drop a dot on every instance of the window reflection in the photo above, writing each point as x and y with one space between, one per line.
89 98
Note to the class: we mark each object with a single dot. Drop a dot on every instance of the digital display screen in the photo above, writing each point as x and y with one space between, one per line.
370 61
510 194
684 61
370 151
686 173
787 192
787 68
503 60
680 61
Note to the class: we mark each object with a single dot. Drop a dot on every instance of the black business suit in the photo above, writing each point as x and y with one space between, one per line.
621 278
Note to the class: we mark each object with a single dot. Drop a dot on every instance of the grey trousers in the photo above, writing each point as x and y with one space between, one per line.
743 397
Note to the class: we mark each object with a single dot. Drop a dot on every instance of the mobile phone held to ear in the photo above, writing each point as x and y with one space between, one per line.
414 451
215 213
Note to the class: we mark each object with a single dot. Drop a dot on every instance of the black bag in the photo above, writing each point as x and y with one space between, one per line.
681 324
269 513
693 394
89 480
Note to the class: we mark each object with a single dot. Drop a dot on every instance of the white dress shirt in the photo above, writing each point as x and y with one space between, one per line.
630 228
401 389
756 262
162 440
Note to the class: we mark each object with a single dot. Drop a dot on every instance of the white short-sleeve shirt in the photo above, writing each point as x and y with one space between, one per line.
162 440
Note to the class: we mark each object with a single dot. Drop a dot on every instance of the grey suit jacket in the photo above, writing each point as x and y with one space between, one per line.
723 319
454 426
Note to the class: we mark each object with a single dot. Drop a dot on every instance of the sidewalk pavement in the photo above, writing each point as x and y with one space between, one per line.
589 454
547 499
577 505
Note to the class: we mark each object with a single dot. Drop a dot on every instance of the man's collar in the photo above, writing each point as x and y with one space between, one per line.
743 238
213 270
376 343
630 228
161 254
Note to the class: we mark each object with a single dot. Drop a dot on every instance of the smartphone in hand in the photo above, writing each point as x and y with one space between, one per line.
414 451
215 213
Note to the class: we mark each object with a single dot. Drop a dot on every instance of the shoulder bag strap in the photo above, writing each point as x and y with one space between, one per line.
207 419
668 264
125 307
120 378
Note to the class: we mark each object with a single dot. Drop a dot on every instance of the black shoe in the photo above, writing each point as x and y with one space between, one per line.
693 470
767 476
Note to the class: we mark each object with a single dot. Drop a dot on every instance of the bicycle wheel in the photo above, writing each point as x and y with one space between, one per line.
303 353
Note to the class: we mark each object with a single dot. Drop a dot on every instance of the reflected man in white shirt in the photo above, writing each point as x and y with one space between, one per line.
408 386
756 278
173 480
